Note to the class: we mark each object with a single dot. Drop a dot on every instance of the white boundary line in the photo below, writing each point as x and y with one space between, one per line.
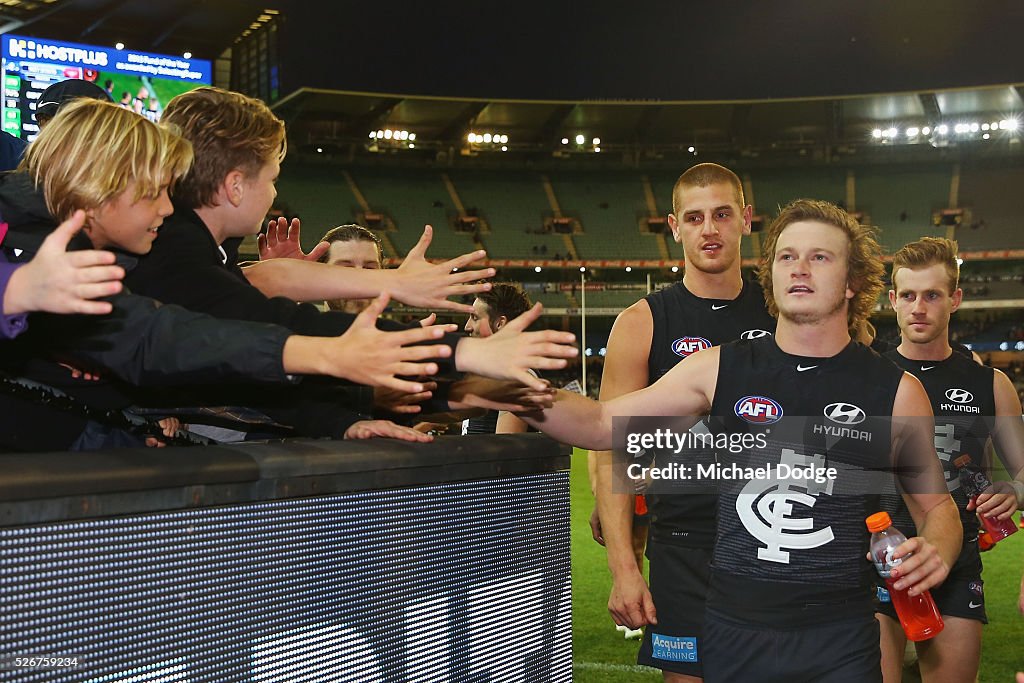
603 666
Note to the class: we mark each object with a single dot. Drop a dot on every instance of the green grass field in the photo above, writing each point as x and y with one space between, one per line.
601 655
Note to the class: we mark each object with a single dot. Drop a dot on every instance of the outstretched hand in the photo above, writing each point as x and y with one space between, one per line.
282 241
385 429
474 391
77 373
428 285
511 352
60 281
367 355
401 402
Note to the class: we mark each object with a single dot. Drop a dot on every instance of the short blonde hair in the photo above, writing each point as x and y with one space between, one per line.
91 150
865 271
228 130
929 251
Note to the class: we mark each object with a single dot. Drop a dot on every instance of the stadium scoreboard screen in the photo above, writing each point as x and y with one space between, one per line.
140 81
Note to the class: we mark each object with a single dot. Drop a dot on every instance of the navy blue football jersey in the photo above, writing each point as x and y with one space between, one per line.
683 325
791 533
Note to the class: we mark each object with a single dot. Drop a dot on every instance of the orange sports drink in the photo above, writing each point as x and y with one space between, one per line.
974 483
919 616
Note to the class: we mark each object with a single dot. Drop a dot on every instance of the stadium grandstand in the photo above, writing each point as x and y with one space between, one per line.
551 188
553 142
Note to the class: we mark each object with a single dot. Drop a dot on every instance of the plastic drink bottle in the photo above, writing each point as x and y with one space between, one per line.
918 614
974 483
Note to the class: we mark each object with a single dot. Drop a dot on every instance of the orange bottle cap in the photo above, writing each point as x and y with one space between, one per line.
879 521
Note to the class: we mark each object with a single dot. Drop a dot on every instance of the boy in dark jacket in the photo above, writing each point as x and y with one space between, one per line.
122 186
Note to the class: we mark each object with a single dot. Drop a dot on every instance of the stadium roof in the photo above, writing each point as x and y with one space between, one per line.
589 63
560 49
337 121
164 26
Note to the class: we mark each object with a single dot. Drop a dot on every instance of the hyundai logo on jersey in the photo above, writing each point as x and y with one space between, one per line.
758 410
685 346
959 395
755 334
844 413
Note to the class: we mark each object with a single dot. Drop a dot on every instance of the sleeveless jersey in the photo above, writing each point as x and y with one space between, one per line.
964 404
791 541
884 347
684 324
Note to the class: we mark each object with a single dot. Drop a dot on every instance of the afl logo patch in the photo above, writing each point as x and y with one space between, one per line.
959 395
755 334
758 410
844 413
685 346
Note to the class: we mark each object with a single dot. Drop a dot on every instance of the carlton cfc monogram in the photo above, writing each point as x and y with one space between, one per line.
765 505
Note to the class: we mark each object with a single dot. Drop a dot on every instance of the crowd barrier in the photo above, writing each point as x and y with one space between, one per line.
296 561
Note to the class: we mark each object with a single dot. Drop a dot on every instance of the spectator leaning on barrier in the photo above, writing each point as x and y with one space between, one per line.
351 246
491 312
239 144
121 186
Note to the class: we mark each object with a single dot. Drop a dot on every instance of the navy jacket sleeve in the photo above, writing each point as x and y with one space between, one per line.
185 268
146 343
